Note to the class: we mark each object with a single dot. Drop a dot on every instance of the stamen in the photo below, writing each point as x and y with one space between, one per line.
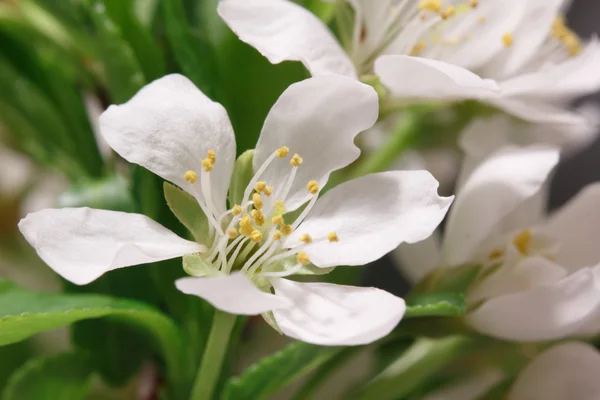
448 12
282 151
305 238
284 273
333 237
236 210
257 200
190 176
474 3
277 220
279 207
313 187
232 233
296 160
430 5
302 258
246 227
277 235
260 186
286 230
496 254
268 191
212 156
507 39
207 164
255 236
417 49
259 217
522 241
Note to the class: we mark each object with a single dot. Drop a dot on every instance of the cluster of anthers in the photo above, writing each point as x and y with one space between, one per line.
250 236
528 242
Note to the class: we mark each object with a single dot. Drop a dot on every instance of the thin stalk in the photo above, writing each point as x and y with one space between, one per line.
214 355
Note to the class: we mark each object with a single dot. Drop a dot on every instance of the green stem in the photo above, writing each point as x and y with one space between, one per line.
422 360
214 355
403 137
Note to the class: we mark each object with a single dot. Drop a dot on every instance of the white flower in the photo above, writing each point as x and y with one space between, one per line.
565 371
541 276
433 49
175 131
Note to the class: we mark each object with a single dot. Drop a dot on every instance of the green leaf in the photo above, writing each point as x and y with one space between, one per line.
63 377
110 193
435 305
274 372
242 174
193 52
147 53
24 313
123 73
448 279
187 210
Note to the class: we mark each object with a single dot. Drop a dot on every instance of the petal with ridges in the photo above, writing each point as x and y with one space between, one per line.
371 216
328 314
168 127
81 244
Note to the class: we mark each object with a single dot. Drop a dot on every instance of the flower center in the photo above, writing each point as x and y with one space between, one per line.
250 236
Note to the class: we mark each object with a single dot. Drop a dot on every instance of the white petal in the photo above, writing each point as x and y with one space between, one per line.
577 76
317 118
545 312
328 314
416 260
537 111
471 388
563 372
81 244
410 78
533 30
494 190
282 31
577 228
372 215
233 293
168 127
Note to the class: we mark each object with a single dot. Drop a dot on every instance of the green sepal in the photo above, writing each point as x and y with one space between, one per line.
188 212
242 174
195 265
270 319
435 305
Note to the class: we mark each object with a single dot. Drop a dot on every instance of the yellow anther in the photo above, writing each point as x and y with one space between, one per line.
333 237
482 20
268 191
246 227
279 207
255 236
190 176
417 49
277 220
257 200
522 241
305 238
260 186
448 12
259 217
430 5
277 235
286 230
208 164
302 258
296 160
212 156
282 151
507 39
474 3
496 254
313 186
232 233
236 210
566 36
